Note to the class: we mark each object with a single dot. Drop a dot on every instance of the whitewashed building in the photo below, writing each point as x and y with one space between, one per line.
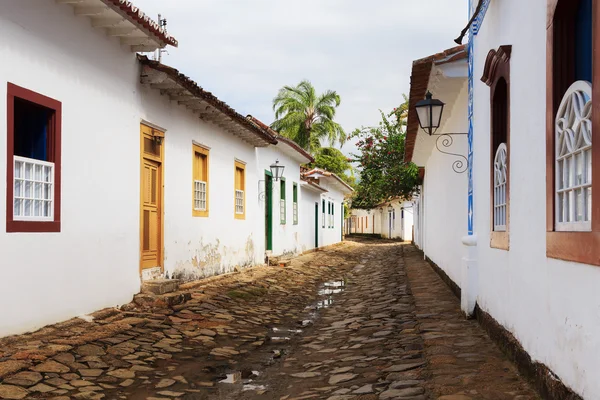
325 194
440 207
281 217
118 167
391 220
528 212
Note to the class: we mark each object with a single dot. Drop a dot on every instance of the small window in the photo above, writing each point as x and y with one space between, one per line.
323 209
496 75
34 126
240 190
282 202
295 198
200 181
332 215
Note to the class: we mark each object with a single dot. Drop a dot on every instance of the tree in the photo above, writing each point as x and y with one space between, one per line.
384 174
307 118
333 160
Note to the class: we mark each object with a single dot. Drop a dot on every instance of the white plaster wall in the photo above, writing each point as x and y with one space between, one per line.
401 228
363 221
444 197
329 236
202 246
286 237
93 262
307 227
552 307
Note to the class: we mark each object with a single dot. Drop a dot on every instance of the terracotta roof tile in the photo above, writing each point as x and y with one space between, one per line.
143 21
419 81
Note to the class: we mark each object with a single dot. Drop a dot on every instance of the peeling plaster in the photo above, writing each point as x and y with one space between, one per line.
208 259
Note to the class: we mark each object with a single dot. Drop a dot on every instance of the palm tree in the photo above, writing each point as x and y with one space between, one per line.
306 118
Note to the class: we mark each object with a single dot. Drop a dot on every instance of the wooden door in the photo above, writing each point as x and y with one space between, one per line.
151 225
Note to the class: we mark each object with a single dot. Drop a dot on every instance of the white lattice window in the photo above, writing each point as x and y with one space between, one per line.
282 210
500 185
239 201
199 195
34 190
573 172
295 211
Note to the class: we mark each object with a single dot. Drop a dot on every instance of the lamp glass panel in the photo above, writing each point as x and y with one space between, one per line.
436 115
423 113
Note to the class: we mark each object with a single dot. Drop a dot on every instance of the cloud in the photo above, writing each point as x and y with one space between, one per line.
244 51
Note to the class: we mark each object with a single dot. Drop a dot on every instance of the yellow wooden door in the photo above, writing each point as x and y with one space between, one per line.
151 246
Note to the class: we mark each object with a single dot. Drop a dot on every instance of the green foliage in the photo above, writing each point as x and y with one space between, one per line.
384 174
307 118
333 160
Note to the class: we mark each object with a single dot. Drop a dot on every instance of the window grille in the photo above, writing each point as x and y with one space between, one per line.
295 213
199 195
239 201
573 157
34 190
500 180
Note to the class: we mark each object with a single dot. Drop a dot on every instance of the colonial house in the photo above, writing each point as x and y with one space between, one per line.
121 169
280 214
441 203
528 212
324 196
168 169
392 220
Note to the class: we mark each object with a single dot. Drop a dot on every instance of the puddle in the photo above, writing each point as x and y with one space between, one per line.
248 387
234 377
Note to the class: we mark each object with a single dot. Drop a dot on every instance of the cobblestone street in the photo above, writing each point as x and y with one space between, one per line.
352 322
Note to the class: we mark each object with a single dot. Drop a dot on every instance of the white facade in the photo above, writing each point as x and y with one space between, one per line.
286 231
394 223
93 261
441 205
196 247
549 305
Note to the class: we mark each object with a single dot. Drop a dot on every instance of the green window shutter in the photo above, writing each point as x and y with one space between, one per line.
295 205
282 207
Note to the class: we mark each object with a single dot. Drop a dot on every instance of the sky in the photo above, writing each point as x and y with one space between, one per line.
244 51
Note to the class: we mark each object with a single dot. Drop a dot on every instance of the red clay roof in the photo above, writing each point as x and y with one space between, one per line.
280 138
327 174
146 23
208 97
419 81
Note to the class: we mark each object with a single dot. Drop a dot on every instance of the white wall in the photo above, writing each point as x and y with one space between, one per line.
362 221
202 246
443 198
329 236
286 237
550 306
307 208
93 262
400 228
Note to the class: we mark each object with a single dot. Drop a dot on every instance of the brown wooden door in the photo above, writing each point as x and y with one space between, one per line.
151 235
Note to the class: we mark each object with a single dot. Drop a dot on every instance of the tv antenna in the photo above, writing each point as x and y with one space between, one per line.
162 22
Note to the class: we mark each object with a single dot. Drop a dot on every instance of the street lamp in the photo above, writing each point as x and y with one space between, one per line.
277 170
390 208
429 112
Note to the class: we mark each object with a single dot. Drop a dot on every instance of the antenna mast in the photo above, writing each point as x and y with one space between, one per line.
162 22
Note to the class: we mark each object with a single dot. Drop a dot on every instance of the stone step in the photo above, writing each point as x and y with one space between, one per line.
160 286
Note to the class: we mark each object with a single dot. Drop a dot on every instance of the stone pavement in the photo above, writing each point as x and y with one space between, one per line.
463 361
338 324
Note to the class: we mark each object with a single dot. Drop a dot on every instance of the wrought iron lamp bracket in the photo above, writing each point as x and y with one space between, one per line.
446 141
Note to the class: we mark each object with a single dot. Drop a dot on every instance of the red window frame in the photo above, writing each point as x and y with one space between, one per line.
54 155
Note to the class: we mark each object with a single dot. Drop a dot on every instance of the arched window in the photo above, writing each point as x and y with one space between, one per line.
496 75
569 125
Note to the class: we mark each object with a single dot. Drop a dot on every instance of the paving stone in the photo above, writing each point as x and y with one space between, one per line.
51 366
90 350
122 373
306 374
163 383
12 392
24 378
335 379
42 388
10 366
364 389
90 372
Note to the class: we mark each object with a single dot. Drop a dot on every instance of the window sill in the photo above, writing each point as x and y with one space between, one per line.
240 216
32 226
579 247
203 214
499 240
